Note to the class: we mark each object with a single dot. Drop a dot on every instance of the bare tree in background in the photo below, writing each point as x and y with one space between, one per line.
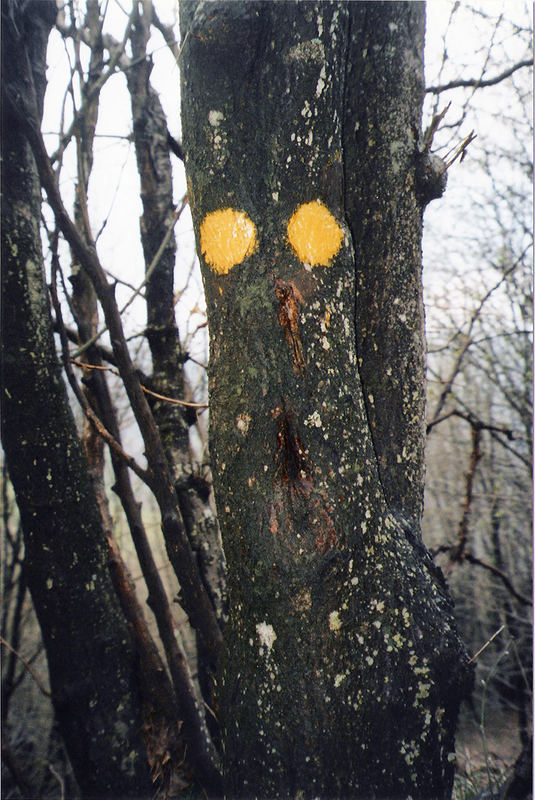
480 369
165 702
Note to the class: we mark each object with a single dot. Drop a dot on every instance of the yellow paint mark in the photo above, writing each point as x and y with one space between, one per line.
314 234
227 237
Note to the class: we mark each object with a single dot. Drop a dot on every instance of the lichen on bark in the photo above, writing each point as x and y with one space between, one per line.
342 670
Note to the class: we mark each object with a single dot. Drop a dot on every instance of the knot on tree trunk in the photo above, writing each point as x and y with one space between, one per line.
430 177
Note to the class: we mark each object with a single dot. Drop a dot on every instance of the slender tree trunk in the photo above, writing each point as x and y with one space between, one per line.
342 671
154 166
90 657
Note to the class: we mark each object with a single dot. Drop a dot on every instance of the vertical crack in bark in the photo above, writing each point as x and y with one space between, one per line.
293 467
346 106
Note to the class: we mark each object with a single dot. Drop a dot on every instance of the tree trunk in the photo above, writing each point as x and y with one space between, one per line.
90 657
151 139
342 670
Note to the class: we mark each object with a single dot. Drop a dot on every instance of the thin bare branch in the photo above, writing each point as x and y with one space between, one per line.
475 457
168 35
37 679
197 603
145 475
459 151
432 129
59 779
187 403
152 266
479 83
474 422
482 649
526 601
116 53
466 342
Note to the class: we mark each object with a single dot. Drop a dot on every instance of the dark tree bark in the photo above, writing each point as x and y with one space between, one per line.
387 182
194 597
92 665
342 670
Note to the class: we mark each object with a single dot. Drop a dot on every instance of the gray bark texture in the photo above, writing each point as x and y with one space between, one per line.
342 670
92 664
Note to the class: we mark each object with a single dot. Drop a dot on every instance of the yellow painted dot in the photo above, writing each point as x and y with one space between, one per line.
314 234
227 237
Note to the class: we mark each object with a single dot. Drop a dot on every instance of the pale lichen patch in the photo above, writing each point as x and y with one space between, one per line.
321 82
313 420
266 635
338 680
335 623
242 423
215 118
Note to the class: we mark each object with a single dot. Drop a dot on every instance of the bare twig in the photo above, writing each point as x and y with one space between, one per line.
173 400
59 779
152 266
478 562
460 151
84 365
145 475
168 35
496 431
474 422
482 649
479 83
432 129
466 342
526 601
37 679
475 457
106 353
116 54
196 601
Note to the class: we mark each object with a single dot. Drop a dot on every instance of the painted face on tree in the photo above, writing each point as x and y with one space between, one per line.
229 236
314 234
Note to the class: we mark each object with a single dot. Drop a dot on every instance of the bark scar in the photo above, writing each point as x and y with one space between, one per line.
292 462
289 298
